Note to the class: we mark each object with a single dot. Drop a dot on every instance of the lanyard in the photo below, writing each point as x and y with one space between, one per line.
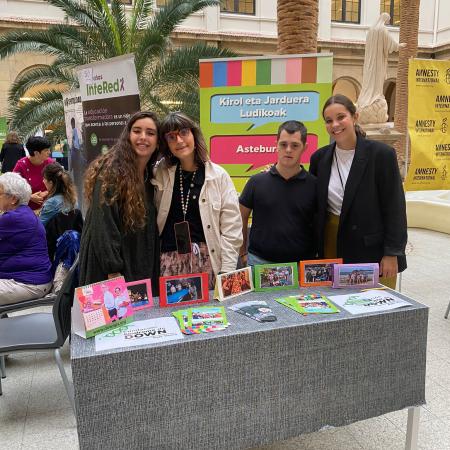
184 206
339 172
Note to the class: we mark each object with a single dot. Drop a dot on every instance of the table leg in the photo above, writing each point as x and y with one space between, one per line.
412 430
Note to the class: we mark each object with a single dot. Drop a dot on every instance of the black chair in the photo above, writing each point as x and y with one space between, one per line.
42 331
57 225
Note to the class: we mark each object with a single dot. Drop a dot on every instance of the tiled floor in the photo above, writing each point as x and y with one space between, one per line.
35 412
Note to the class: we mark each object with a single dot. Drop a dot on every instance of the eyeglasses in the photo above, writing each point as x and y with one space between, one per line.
172 136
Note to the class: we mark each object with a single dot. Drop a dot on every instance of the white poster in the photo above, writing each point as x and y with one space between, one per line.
141 332
369 301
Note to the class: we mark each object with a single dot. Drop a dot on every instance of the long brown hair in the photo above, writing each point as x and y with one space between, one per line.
176 121
348 105
120 180
62 183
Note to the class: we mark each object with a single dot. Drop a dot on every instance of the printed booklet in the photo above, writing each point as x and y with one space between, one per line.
100 306
256 309
203 319
309 304
141 332
369 301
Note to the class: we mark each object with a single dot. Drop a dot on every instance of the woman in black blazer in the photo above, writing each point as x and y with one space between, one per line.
361 211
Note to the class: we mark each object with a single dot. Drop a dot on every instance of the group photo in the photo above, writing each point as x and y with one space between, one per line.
224 192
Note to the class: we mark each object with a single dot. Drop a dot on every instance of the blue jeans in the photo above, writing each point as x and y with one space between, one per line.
253 260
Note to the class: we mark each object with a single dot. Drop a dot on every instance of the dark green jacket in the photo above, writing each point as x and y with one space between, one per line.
106 248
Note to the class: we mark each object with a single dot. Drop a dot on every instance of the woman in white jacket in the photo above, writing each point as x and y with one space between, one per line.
198 209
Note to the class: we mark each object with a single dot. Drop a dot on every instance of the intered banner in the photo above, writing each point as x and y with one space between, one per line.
244 100
110 95
73 116
428 124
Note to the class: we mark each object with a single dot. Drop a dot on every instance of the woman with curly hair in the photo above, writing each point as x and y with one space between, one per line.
119 235
196 196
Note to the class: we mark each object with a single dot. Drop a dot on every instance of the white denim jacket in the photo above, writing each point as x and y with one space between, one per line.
219 212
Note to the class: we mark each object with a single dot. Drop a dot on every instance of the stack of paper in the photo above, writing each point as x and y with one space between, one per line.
309 304
256 309
203 319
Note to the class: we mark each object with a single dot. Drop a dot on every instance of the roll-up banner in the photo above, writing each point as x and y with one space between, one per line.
244 100
428 124
73 117
110 95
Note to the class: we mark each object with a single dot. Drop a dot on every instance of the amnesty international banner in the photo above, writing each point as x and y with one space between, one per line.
428 124
244 100
110 95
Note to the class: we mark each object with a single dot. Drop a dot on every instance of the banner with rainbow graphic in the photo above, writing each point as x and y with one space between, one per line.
244 100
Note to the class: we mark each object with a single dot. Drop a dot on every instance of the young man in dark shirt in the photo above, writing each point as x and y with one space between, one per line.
283 201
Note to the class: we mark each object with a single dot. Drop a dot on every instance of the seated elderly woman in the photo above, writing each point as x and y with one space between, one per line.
24 263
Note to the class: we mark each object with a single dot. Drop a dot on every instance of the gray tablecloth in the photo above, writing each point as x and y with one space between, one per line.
253 383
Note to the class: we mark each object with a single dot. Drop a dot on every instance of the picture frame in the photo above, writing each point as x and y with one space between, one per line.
140 294
234 283
186 289
276 277
317 272
356 276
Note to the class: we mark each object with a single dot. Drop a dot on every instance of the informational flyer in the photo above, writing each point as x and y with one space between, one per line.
243 101
428 124
375 300
141 332
110 95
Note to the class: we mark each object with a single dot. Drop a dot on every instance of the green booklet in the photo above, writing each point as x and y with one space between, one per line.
202 319
309 304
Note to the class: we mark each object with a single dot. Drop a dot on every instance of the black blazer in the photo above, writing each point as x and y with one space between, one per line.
373 216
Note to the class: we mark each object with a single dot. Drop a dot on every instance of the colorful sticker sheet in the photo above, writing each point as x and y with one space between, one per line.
308 304
203 319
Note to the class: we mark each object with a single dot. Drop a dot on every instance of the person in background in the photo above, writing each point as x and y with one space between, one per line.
24 263
120 235
61 192
31 168
199 195
361 203
12 151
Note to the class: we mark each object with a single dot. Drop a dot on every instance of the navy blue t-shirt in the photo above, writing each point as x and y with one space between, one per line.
283 215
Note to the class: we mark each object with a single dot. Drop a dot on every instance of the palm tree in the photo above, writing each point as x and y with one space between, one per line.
409 30
297 26
96 30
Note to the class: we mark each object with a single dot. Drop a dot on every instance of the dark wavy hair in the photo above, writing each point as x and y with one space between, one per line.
176 121
62 183
348 105
120 178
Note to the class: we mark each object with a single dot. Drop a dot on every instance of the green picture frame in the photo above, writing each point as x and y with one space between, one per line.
276 277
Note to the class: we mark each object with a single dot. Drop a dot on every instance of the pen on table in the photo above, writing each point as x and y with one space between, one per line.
374 289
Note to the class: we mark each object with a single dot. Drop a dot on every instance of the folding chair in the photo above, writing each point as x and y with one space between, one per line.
42 331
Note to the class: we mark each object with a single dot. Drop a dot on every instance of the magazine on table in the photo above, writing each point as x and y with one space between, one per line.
309 304
369 301
257 310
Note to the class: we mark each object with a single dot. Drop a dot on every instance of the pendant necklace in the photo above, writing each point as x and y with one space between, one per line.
184 206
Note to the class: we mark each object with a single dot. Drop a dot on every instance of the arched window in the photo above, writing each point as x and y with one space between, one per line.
346 11
347 86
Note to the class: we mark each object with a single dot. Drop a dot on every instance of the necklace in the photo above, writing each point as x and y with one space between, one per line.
184 206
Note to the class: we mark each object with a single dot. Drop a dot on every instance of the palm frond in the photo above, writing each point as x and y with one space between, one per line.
41 76
138 21
46 109
120 20
79 12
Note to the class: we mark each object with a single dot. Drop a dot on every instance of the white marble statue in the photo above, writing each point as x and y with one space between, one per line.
371 104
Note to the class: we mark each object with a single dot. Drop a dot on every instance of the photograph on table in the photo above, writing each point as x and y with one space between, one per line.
183 289
357 276
274 277
140 293
318 272
232 284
